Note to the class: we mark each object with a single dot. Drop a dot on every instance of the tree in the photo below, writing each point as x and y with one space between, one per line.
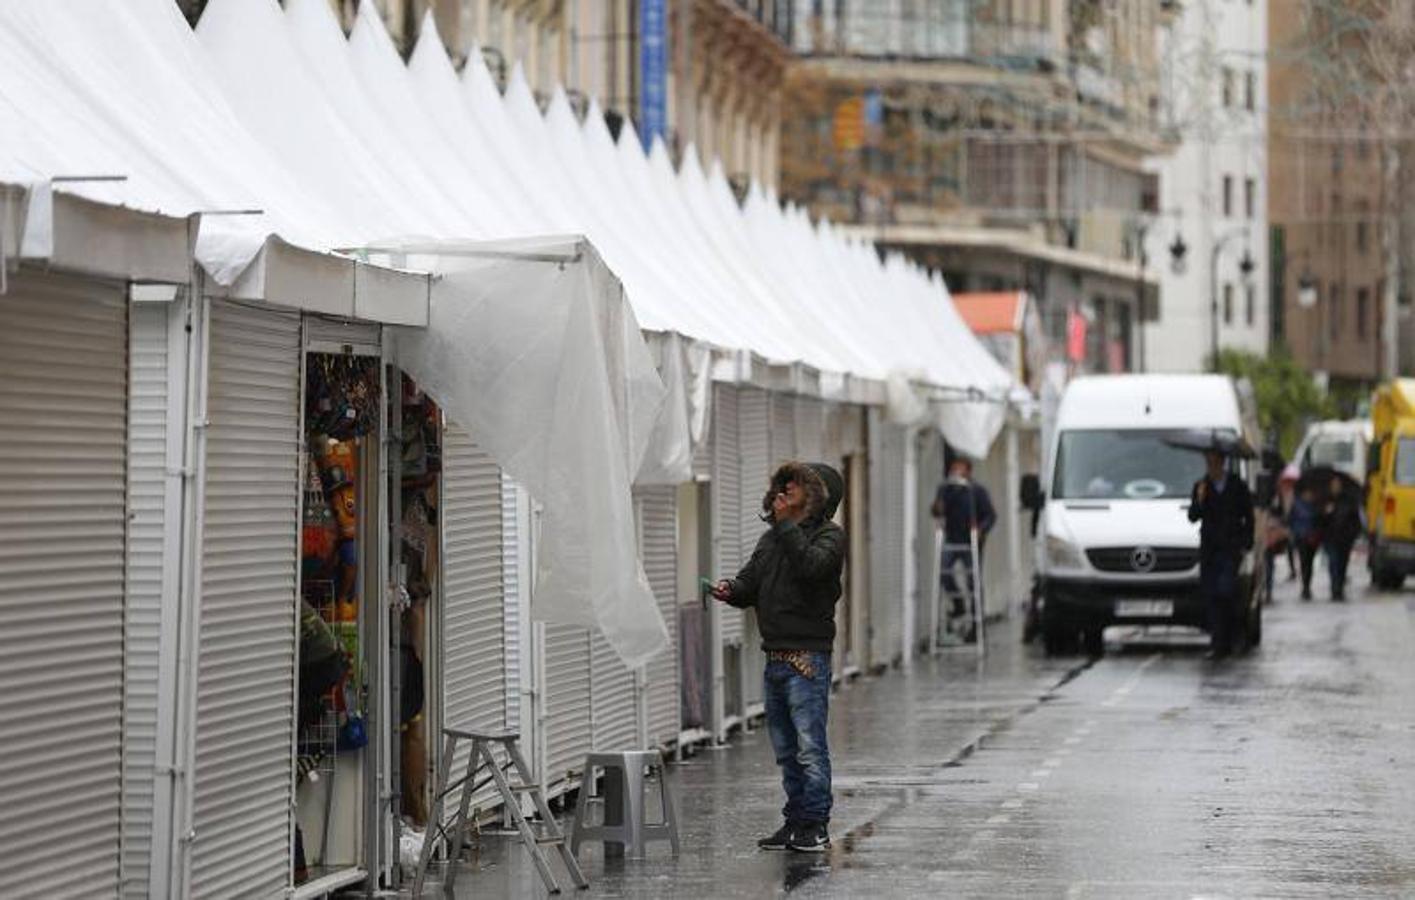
1287 397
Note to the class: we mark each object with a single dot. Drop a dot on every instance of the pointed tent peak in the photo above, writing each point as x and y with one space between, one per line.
690 167
240 20
476 75
716 172
627 130
594 110
428 26
517 84
429 49
559 107
596 129
659 147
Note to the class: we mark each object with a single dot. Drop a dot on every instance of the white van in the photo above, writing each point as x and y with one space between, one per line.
1343 445
1115 544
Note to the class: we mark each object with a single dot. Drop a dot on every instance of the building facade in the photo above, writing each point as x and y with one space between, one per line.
1213 186
1330 211
1001 143
705 73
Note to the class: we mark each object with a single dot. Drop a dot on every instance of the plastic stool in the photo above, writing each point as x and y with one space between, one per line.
624 826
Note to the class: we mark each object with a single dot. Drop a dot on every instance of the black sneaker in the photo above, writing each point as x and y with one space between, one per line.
778 840
811 837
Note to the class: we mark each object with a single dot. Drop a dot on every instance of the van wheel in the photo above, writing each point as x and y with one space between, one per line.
1386 578
1095 642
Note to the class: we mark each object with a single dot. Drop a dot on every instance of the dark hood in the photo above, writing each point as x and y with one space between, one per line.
834 488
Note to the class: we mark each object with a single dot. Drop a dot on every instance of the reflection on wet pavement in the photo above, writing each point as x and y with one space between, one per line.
1152 773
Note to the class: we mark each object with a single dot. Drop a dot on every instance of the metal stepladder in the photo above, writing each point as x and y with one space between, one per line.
482 757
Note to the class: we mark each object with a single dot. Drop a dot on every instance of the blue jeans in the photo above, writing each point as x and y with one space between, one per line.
1218 581
796 709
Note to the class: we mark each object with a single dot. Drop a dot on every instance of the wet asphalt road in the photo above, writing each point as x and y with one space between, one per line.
1289 772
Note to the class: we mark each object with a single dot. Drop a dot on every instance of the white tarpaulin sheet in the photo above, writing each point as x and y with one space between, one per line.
533 349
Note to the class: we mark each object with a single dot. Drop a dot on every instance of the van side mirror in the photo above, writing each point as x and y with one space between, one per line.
1033 497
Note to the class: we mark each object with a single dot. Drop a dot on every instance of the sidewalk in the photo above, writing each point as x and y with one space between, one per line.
890 736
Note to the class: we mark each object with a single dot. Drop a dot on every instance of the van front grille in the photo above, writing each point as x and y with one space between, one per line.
1127 560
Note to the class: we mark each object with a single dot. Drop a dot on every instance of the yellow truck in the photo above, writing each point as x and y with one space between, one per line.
1390 484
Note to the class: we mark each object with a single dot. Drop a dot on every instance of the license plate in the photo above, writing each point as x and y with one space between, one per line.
1147 608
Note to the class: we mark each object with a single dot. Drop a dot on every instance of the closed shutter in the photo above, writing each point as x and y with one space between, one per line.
810 431
246 665
614 712
783 429
887 511
147 561
755 421
63 358
568 733
511 580
727 498
930 461
659 551
473 649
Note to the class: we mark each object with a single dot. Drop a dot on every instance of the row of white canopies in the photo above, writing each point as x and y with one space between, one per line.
271 128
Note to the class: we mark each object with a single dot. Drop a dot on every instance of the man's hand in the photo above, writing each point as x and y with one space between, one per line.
1202 493
722 591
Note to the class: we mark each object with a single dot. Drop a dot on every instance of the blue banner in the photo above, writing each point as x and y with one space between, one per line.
653 70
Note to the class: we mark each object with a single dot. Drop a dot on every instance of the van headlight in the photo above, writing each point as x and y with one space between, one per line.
1062 554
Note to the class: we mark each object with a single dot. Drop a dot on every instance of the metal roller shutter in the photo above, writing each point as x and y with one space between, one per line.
473 635
930 474
659 550
727 497
614 713
755 423
783 430
568 733
810 431
146 564
511 580
63 358
245 683
887 557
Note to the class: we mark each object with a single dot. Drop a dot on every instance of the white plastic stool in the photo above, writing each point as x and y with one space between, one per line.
624 814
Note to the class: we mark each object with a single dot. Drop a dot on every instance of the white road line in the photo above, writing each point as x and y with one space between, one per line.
1052 763
999 819
1042 773
1011 804
1072 741
1028 786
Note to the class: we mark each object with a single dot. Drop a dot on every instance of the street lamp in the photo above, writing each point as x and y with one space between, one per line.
1246 266
1306 289
1177 249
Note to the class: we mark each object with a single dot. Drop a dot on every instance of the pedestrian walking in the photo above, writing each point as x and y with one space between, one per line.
793 582
1278 540
1306 534
1341 526
1224 506
962 505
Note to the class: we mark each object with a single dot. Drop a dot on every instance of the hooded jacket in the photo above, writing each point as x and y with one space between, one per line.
793 577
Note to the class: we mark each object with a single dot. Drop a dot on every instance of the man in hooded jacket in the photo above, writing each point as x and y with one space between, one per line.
793 581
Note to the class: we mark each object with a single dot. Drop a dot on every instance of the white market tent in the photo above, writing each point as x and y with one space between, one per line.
292 157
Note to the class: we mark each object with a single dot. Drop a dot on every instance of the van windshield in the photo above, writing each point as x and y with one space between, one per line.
1405 461
1331 452
1123 465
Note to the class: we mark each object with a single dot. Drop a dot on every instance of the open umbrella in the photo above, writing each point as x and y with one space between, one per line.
1317 479
1204 440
